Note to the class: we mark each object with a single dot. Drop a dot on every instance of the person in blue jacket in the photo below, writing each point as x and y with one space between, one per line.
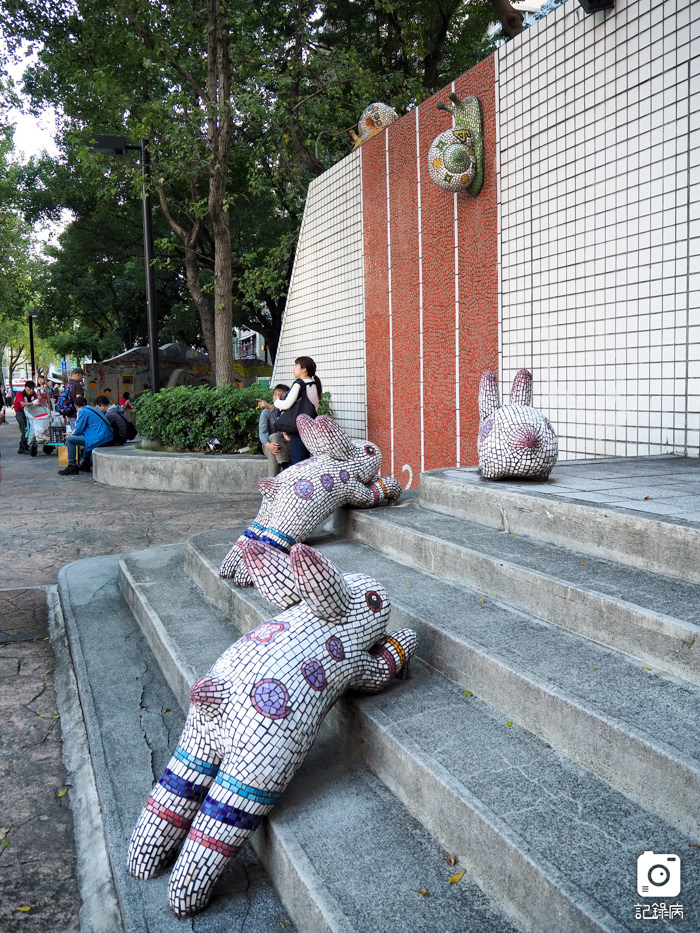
92 429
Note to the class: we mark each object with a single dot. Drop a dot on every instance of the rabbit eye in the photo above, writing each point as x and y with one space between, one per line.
370 450
374 601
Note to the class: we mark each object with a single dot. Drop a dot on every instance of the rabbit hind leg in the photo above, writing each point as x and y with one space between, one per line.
229 815
171 808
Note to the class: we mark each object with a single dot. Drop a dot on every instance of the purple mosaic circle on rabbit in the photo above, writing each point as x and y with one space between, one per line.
485 429
335 648
314 674
304 489
327 481
344 476
266 632
270 698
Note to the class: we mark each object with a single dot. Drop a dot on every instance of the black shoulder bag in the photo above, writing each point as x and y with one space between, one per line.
287 420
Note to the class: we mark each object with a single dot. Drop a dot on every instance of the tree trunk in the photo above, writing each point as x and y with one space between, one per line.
219 144
511 19
189 240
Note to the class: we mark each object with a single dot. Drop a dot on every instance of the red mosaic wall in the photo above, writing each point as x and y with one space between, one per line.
420 431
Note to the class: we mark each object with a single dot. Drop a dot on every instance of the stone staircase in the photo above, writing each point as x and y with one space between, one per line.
548 734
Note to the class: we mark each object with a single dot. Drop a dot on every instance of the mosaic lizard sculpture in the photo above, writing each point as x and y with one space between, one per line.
339 472
255 715
515 440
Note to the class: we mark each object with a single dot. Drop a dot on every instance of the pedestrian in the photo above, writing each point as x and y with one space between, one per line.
92 429
77 390
117 418
303 398
126 406
274 445
24 398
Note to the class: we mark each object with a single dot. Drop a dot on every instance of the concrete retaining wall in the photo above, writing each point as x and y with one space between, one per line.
141 469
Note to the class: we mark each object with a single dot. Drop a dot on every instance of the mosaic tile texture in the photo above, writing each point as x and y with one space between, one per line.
514 440
456 156
601 260
374 119
431 289
325 317
339 472
255 715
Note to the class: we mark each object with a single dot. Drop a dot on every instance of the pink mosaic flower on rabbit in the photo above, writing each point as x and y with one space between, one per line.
339 472
515 440
255 715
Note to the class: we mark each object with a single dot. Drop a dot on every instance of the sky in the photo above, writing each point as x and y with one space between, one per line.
32 134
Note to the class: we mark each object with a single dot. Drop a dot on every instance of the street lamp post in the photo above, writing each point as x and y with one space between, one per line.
32 315
117 145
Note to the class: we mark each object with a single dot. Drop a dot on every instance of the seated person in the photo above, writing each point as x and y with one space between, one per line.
274 446
92 429
120 425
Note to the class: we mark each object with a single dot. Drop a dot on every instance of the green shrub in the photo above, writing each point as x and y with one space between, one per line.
186 417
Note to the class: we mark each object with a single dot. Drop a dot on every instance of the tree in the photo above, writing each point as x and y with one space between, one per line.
244 107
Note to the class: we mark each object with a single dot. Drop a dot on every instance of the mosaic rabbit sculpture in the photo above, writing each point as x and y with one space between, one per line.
339 472
255 715
515 440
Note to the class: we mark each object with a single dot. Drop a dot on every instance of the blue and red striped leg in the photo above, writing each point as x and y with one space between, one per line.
173 804
230 813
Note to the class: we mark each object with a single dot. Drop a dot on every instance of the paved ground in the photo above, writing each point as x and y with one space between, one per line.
47 521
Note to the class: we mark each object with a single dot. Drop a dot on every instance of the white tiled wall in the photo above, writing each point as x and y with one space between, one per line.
599 128
325 318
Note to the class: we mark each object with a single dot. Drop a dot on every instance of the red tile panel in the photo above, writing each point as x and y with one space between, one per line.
404 279
376 295
478 272
433 443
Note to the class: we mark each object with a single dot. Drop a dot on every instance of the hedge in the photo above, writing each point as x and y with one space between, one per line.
187 417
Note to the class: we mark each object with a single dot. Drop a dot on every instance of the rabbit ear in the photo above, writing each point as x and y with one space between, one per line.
307 432
271 571
333 439
521 393
321 584
489 398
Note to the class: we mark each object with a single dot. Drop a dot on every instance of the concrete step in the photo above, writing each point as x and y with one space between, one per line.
343 852
648 616
132 720
553 844
558 511
637 727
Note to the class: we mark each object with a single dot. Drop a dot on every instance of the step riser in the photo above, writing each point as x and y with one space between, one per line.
473 834
660 783
666 787
636 542
654 639
273 843
476 838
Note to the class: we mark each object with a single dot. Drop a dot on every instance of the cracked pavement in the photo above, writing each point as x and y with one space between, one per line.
50 520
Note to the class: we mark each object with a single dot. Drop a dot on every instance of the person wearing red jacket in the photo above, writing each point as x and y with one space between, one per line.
26 397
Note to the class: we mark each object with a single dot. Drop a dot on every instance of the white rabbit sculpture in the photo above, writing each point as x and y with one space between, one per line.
339 472
255 715
515 440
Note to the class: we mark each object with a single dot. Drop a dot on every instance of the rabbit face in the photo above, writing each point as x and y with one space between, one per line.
514 440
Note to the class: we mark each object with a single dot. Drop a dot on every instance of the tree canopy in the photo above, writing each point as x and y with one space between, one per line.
243 106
